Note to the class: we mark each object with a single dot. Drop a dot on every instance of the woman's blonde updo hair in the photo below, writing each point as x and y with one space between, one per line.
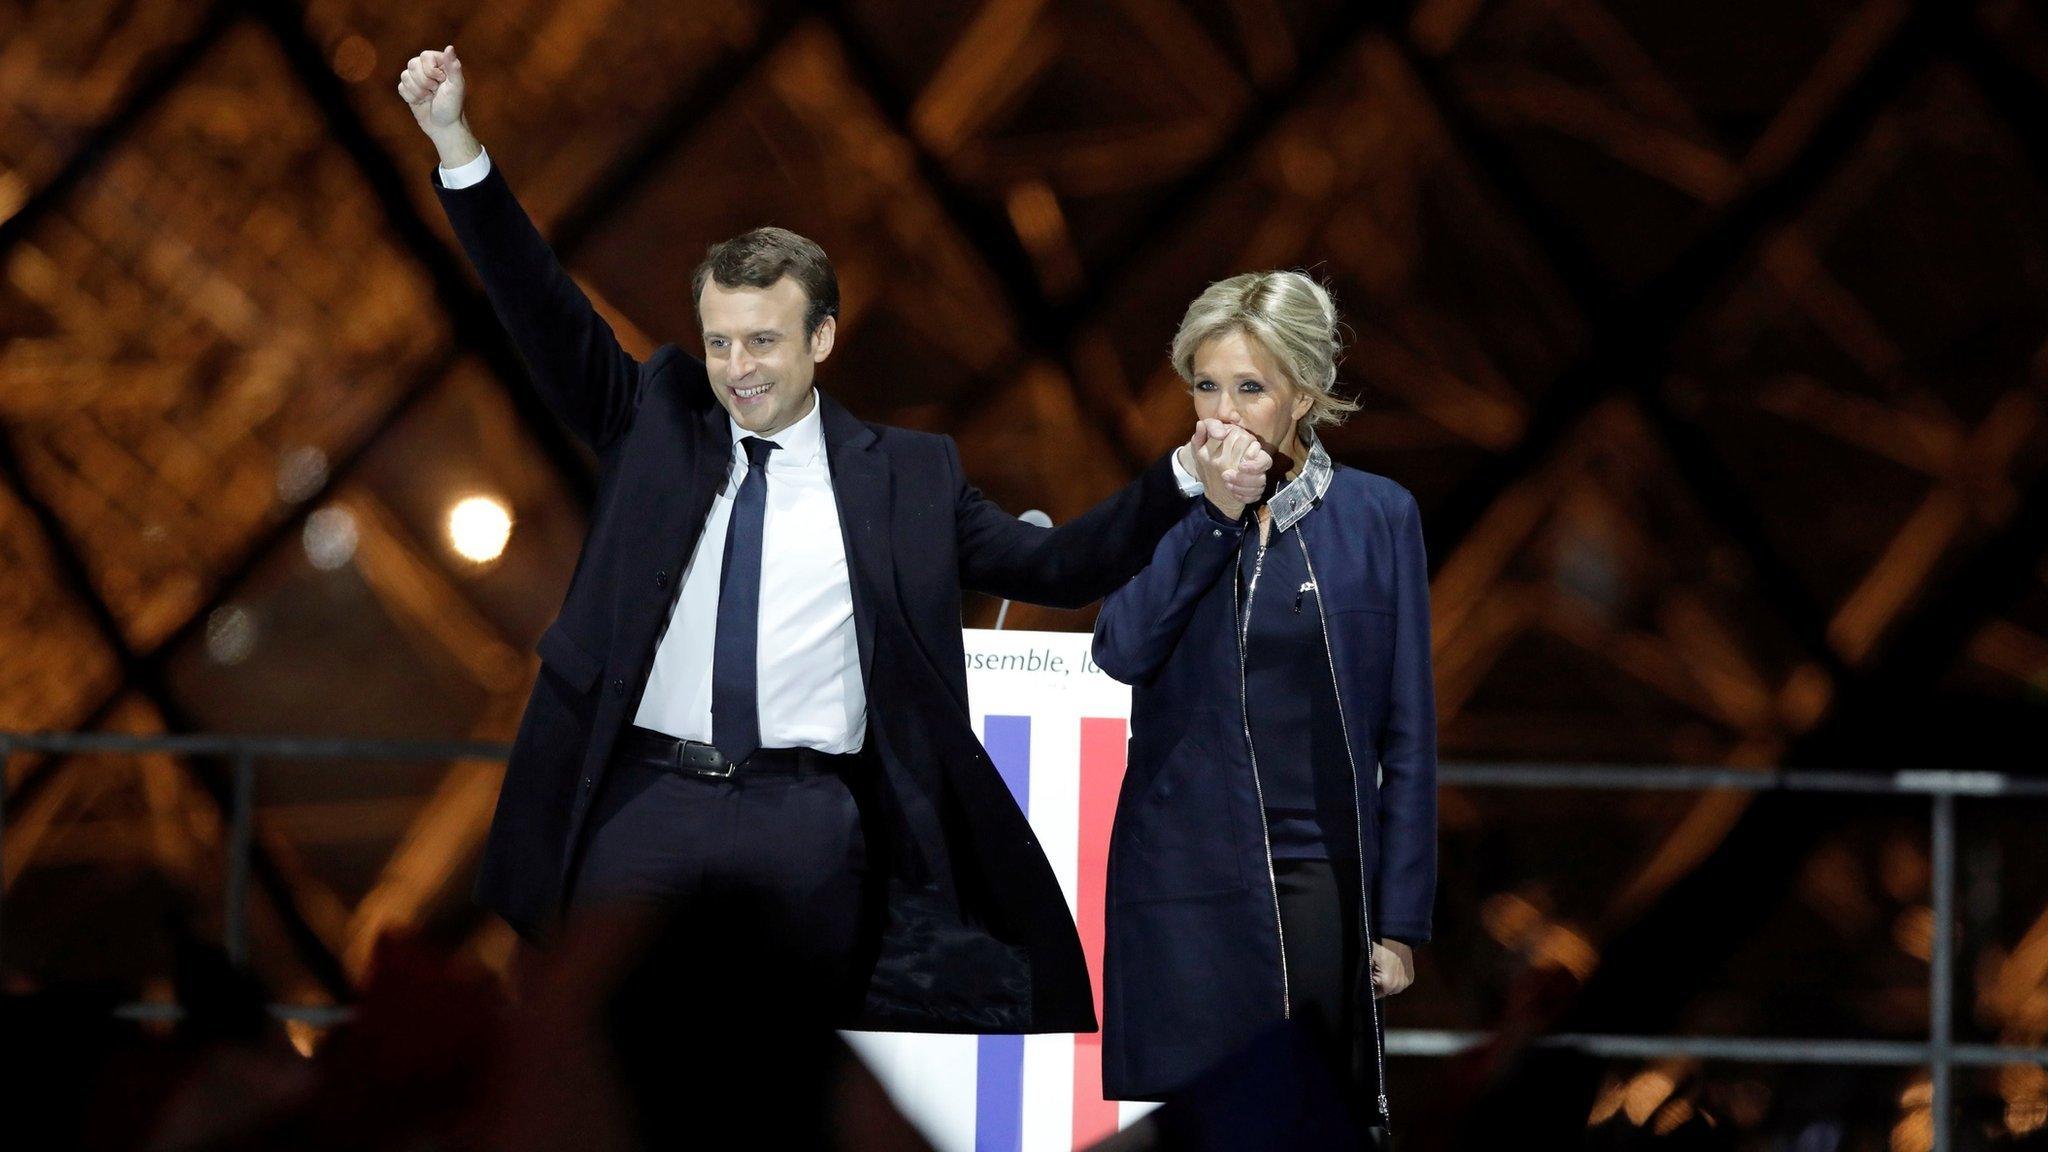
1292 316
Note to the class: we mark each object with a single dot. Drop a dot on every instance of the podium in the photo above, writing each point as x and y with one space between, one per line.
1056 727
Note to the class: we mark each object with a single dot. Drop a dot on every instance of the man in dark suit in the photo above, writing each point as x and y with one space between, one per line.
757 681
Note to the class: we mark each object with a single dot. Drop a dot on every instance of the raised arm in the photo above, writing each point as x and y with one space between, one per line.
1080 562
576 361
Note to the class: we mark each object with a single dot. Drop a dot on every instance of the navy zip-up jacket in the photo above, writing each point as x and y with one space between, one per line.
1192 964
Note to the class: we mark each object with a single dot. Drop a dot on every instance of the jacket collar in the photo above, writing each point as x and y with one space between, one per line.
1297 496
842 428
864 489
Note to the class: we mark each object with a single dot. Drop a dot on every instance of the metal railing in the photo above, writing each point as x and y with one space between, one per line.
241 753
1940 1054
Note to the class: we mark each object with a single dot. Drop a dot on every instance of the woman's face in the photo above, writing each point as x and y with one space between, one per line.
1238 382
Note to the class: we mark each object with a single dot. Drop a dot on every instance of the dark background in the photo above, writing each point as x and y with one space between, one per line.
1709 336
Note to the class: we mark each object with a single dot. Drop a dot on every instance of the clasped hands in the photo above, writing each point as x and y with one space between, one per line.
1231 464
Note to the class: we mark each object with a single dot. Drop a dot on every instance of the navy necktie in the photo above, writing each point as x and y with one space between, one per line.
735 682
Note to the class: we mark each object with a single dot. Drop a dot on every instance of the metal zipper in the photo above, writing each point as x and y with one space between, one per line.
1244 626
1358 827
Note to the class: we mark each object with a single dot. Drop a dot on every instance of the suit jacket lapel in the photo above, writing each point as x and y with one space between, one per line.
713 438
861 486
711 445
680 515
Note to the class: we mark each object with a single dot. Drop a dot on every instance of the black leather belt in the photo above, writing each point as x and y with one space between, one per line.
651 749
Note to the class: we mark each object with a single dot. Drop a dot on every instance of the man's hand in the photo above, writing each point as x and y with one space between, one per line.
1230 463
1393 967
432 87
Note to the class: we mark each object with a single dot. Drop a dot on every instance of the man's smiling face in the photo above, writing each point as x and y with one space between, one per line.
760 360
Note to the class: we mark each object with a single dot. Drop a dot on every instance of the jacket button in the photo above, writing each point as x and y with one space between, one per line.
661 578
589 783
619 687
1215 531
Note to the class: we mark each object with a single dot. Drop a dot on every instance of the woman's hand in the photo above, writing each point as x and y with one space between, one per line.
1393 967
1230 463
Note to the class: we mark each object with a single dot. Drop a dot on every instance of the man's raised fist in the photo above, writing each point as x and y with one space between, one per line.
432 87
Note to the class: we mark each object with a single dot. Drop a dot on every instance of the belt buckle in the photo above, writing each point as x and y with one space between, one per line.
703 760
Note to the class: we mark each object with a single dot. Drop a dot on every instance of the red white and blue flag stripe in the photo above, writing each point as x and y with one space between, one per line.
1056 728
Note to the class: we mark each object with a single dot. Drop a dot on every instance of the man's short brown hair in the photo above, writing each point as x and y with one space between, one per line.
759 258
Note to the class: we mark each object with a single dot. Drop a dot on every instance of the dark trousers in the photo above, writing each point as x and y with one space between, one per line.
1326 979
791 849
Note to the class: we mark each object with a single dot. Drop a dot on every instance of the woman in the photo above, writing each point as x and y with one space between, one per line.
1278 815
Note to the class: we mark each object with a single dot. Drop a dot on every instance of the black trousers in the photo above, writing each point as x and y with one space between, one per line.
791 849
1328 983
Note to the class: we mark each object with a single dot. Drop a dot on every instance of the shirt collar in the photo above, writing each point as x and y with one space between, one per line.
1297 496
797 445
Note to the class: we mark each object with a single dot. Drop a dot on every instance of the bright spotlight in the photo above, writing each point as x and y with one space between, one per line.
478 527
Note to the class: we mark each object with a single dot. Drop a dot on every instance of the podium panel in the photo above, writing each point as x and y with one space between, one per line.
1055 726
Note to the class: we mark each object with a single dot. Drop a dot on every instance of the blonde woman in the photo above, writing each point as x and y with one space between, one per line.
1275 842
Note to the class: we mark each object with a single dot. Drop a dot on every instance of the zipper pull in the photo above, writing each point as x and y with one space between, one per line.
1307 586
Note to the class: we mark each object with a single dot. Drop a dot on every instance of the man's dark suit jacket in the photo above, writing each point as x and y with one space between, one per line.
976 935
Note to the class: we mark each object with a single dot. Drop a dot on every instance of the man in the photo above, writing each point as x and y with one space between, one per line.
757 682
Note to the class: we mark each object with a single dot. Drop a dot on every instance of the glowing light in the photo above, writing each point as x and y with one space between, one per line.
478 527
1568 950
231 634
1671 1117
1521 926
304 1037
2023 1117
329 538
1914 1133
1607 1103
1915 1130
1645 1093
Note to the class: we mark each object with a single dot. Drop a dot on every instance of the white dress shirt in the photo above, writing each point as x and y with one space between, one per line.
464 175
808 659
1189 485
